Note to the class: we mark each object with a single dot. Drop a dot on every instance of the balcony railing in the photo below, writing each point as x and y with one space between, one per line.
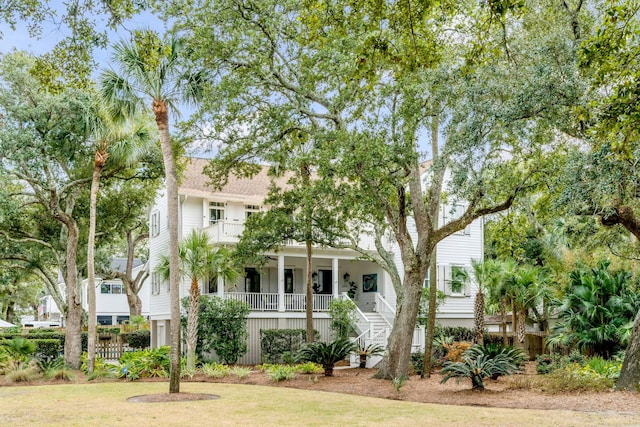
230 231
269 301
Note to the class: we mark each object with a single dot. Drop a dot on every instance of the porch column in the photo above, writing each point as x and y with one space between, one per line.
334 276
280 282
220 292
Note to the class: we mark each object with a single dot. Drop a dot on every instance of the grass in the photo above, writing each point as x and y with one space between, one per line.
105 404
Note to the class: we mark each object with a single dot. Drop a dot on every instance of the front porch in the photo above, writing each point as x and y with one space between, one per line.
277 302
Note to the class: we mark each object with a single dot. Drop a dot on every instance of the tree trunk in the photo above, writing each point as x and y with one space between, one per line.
522 317
514 322
398 355
73 324
629 378
427 360
10 312
162 120
479 317
100 158
309 304
192 324
135 303
503 314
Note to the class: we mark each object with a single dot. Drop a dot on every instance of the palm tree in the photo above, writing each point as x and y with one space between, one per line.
487 275
498 293
152 71
124 145
200 262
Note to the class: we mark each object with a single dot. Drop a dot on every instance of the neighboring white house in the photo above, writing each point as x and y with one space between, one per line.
112 307
276 291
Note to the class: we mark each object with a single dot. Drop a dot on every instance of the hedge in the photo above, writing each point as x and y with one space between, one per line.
47 349
47 335
138 339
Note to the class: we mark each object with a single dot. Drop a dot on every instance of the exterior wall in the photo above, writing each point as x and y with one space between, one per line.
258 321
158 245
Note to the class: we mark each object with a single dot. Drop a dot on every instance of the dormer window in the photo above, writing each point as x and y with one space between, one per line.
250 210
216 212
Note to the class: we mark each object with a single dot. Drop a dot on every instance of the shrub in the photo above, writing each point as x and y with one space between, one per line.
101 369
276 343
138 339
22 372
575 378
240 372
281 372
47 349
477 367
458 333
456 351
215 370
515 355
222 327
21 349
55 369
343 317
145 363
417 361
309 368
327 354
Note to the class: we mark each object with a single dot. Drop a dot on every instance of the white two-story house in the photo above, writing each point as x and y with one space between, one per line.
276 291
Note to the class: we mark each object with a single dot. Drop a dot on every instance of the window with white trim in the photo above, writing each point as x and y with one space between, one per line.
453 212
155 284
216 212
155 223
454 280
250 210
112 288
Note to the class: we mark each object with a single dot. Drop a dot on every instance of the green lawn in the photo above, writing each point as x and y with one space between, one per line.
105 404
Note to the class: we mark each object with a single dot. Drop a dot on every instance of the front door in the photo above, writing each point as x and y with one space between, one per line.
288 280
251 280
325 281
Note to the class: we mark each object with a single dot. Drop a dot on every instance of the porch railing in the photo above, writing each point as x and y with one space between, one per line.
269 301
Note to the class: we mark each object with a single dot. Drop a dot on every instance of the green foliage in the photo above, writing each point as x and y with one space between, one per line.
423 313
145 363
241 372
215 370
21 371
574 377
597 311
282 372
309 368
56 369
138 339
20 348
275 343
101 368
222 327
417 361
327 354
457 333
515 355
343 317
47 349
477 366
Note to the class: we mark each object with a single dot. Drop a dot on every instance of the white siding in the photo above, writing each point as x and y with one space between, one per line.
158 245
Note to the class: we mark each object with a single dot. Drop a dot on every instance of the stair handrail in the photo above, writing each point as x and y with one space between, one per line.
383 307
363 321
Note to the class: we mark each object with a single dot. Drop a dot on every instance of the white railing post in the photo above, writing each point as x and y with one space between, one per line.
280 282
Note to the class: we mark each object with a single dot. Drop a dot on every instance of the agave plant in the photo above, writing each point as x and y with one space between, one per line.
327 354
478 368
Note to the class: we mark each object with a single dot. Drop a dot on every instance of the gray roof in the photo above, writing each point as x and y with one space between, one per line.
120 264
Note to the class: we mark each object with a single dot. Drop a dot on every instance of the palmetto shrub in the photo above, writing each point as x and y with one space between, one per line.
145 363
597 312
55 369
477 367
327 354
